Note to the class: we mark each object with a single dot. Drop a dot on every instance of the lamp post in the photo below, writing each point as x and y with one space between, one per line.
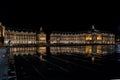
9 51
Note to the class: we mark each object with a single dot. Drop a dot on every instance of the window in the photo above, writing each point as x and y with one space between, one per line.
42 37
88 37
99 36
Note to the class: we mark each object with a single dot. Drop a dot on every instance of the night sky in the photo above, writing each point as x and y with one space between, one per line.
58 16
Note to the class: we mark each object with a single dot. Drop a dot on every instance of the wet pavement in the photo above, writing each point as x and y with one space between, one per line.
67 67
12 72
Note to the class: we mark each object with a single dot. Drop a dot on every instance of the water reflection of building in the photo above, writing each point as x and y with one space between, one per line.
2 31
86 49
89 37
41 42
23 50
41 50
20 38
92 36
26 50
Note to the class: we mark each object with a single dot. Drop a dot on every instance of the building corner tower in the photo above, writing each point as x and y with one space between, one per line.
41 41
2 33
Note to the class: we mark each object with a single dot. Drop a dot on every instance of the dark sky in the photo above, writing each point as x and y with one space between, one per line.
3 11
58 16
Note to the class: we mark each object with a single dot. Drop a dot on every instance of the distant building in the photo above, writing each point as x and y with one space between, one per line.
92 36
2 31
88 38
90 42
21 38
41 37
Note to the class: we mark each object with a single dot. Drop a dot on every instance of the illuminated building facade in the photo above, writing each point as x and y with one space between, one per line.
20 38
2 31
92 36
41 37
41 42
91 41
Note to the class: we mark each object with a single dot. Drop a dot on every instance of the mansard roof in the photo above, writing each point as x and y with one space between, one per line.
93 30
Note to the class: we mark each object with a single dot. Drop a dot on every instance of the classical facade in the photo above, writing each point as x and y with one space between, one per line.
20 38
89 41
2 31
41 42
92 36
41 37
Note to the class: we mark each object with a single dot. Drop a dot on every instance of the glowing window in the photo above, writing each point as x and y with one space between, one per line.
88 37
99 37
42 38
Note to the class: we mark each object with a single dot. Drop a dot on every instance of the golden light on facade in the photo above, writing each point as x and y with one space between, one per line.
93 59
3 31
88 36
99 36
0 32
43 38
66 38
93 36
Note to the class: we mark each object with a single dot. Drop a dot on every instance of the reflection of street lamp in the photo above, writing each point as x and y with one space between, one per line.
93 59
10 53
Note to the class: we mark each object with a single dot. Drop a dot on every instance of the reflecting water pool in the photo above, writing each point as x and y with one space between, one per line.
85 49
